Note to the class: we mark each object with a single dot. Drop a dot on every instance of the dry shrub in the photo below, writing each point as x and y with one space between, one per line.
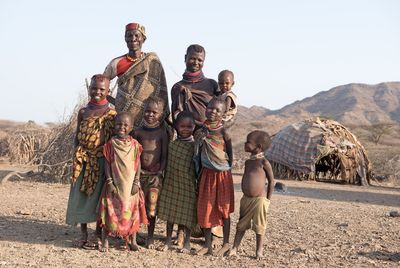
4 145
55 162
24 143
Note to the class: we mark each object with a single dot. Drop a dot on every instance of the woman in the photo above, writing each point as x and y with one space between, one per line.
140 75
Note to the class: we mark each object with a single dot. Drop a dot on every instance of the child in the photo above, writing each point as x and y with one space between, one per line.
178 199
94 127
216 195
194 91
122 208
255 202
154 139
226 81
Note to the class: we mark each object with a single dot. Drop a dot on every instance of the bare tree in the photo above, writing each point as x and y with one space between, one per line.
376 131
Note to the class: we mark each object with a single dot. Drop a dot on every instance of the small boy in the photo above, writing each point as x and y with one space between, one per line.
226 81
255 202
194 91
154 139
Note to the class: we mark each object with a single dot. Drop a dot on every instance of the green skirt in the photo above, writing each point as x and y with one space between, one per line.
82 208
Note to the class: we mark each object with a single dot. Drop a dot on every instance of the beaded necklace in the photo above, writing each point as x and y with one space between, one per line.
257 156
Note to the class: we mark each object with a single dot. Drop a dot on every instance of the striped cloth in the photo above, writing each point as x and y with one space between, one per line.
178 198
295 146
216 197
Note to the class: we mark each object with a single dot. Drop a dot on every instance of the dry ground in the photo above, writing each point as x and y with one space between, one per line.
312 225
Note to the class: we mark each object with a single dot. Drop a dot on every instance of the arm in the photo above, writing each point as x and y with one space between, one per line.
136 181
270 178
228 146
80 117
228 103
110 187
164 150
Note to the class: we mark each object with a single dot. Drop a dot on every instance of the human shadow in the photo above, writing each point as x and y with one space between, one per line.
34 231
382 255
384 199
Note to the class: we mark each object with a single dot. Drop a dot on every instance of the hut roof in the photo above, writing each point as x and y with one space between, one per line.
299 147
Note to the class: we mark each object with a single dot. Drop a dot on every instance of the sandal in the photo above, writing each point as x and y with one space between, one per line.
89 245
79 243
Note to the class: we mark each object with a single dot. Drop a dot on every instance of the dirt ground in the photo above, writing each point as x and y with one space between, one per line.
311 225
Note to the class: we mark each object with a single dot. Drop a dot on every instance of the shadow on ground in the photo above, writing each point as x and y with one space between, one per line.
33 231
384 199
382 255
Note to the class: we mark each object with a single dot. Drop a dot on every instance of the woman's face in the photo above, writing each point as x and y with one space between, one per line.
134 40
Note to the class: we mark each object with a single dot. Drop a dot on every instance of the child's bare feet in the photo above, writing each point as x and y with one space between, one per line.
134 247
205 251
180 239
150 243
104 246
221 252
232 252
186 248
259 255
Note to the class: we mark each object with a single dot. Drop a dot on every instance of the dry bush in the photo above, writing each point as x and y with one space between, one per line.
26 142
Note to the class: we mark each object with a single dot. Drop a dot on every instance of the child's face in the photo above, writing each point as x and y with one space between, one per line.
152 113
123 125
185 127
194 61
250 146
215 110
98 90
134 40
225 82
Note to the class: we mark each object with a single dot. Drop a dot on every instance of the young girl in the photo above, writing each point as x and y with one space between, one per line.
122 208
95 124
178 198
216 195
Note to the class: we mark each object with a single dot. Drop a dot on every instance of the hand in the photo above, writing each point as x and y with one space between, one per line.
135 189
154 182
110 188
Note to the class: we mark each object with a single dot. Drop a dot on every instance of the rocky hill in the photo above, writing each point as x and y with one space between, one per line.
352 104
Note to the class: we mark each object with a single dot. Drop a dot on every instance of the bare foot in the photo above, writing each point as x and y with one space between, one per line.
259 255
225 248
232 252
104 247
179 241
134 247
185 249
140 240
164 247
205 251
150 243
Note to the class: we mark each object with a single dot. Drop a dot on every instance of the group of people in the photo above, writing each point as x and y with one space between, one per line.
136 160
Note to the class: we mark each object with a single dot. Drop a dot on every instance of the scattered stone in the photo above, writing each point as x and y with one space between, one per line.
280 187
23 212
394 213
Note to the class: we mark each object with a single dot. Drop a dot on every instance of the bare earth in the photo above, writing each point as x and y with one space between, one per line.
312 225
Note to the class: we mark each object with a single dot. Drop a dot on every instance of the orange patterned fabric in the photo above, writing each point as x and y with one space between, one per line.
216 197
89 148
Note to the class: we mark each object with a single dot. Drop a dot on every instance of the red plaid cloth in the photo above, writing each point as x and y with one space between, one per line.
216 197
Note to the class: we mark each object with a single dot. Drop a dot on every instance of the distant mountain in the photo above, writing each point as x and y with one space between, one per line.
355 104
352 104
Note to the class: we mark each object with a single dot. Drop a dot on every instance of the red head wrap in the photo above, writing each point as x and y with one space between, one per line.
136 26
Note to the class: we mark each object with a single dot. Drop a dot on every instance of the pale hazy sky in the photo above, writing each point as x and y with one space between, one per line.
280 51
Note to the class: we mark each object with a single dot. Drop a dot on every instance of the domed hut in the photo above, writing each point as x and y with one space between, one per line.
319 149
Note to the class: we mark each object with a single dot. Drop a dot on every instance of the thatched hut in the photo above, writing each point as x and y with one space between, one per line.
319 149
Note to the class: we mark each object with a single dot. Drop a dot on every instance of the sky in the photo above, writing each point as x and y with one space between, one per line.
280 51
